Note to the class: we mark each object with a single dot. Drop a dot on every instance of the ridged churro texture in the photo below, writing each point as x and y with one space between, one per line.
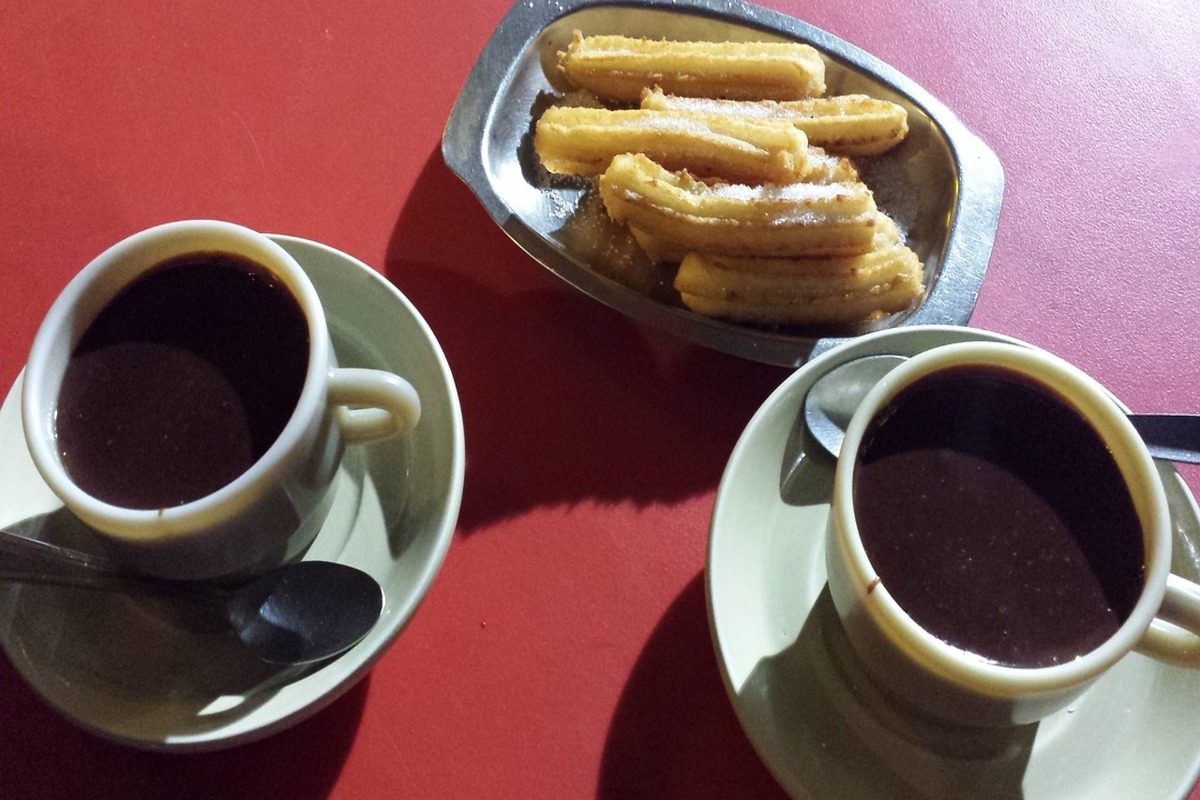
620 67
686 214
765 229
583 141
821 167
852 124
821 310
792 291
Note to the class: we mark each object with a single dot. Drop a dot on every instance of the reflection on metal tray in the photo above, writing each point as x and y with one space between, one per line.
943 185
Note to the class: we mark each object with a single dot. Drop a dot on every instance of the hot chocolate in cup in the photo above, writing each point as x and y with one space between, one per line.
999 537
183 399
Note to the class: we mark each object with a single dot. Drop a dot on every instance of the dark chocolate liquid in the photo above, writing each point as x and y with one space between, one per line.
182 382
997 518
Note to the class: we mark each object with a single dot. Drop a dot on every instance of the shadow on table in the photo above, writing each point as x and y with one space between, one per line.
674 734
824 726
563 399
818 721
45 756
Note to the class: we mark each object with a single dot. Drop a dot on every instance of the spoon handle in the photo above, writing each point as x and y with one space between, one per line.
30 560
1175 437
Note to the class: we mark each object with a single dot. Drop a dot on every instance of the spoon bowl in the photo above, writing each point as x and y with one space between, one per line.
305 612
299 613
832 400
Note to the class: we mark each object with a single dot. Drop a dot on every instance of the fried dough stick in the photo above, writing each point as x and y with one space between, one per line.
619 68
852 124
849 308
804 290
822 168
583 141
797 219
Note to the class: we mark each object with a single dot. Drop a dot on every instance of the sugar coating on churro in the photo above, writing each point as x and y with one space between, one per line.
733 175
888 279
620 67
852 124
583 141
821 167
737 219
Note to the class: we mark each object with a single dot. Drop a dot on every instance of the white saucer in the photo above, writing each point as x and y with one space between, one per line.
810 712
139 671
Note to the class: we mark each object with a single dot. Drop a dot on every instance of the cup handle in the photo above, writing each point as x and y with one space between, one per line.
1174 636
375 404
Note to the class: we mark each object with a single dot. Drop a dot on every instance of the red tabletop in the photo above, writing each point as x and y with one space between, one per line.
564 648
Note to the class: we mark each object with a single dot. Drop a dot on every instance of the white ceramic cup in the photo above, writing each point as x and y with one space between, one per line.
932 677
271 512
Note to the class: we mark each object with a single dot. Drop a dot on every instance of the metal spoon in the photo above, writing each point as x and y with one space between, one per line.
299 613
835 396
832 400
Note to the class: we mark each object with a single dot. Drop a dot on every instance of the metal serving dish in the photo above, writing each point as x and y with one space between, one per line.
942 185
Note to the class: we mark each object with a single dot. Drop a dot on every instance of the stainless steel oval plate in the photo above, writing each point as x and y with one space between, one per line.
943 185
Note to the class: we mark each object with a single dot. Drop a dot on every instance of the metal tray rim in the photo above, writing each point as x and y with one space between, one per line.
953 292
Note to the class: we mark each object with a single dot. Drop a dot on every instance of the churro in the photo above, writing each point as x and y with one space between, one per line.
583 141
821 167
764 229
804 290
852 124
619 68
797 219
659 251
850 308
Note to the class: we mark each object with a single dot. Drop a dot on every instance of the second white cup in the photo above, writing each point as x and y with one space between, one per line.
999 537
